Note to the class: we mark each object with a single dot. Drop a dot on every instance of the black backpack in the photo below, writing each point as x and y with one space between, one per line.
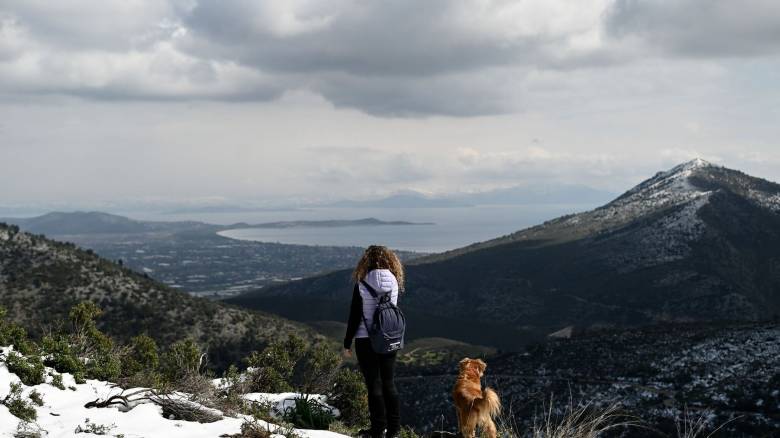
389 324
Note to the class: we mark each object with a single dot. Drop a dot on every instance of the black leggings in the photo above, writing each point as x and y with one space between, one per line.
383 404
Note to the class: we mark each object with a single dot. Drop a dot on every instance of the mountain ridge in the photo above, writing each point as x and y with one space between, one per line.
697 242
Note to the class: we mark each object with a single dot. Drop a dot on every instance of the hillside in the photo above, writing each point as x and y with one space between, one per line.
659 374
697 242
40 279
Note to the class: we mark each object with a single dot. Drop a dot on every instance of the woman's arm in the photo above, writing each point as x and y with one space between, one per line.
355 317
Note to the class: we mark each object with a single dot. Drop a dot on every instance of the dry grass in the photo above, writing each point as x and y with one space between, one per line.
695 426
585 421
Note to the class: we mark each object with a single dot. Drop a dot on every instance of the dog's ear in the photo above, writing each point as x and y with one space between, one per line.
482 365
464 362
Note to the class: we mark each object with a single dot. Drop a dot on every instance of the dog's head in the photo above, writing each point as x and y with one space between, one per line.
477 365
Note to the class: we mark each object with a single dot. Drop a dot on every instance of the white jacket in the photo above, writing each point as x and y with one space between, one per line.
383 281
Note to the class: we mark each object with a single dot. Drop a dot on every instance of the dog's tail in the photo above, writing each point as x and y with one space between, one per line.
489 403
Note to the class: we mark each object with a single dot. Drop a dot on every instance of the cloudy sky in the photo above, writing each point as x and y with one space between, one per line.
259 100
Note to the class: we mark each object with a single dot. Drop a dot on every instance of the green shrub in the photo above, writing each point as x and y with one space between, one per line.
308 413
104 366
12 334
143 356
36 398
85 338
349 395
56 381
230 395
181 360
60 355
318 369
17 406
30 370
273 368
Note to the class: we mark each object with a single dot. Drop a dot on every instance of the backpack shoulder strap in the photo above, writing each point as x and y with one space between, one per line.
370 289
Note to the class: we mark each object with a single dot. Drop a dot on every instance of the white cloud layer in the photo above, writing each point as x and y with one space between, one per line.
221 98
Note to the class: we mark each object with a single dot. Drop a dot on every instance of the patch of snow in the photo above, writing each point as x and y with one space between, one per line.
63 411
665 240
766 200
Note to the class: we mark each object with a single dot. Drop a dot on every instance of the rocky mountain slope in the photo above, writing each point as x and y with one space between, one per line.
722 373
697 242
40 279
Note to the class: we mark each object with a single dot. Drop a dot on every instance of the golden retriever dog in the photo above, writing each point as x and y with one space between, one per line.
475 406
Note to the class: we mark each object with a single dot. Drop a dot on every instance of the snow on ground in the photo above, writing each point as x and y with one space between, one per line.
63 411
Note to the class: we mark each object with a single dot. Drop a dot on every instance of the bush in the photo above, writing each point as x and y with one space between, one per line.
17 406
36 398
12 334
181 360
309 413
30 370
56 381
86 339
61 356
349 395
230 396
273 368
143 356
319 367
104 366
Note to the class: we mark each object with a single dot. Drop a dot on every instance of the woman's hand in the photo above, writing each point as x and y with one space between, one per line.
347 353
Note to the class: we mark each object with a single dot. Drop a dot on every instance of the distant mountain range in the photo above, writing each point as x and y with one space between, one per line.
518 195
94 222
40 279
697 242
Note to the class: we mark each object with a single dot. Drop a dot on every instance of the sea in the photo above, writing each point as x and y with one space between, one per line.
450 228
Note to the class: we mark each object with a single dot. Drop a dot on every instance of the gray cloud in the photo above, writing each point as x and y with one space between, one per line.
699 28
401 58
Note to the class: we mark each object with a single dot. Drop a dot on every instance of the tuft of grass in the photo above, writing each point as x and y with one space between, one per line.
341 428
690 426
407 432
308 413
585 421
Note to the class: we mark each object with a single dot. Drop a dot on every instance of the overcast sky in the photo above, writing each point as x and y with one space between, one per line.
256 100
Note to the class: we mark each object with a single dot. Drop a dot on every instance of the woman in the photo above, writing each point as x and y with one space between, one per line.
381 269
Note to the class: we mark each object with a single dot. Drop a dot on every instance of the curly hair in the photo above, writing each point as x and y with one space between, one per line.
379 257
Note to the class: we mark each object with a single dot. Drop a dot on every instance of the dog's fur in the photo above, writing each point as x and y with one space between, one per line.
475 406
